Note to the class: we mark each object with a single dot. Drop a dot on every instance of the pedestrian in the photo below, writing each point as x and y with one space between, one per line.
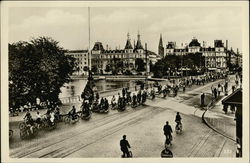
225 107
215 93
124 144
233 88
202 99
123 92
232 108
219 89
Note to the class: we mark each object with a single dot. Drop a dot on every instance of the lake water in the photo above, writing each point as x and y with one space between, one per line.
75 88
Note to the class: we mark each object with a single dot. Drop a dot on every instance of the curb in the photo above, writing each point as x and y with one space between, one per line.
210 126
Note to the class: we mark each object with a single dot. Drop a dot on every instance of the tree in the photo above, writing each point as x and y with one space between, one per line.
140 65
37 69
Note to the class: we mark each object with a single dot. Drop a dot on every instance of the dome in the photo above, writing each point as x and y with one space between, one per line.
194 42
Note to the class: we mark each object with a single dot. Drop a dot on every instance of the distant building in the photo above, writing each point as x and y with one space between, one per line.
104 59
215 57
81 60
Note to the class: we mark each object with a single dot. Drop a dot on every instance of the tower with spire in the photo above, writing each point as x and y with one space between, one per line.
138 46
160 47
128 47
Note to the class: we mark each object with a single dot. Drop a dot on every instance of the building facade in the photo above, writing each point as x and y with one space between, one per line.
81 60
120 59
215 57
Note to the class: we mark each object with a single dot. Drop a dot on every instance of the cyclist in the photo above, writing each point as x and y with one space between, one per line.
124 146
167 131
72 113
178 119
29 121
113 101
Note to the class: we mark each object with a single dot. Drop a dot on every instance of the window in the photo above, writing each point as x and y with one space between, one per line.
85 63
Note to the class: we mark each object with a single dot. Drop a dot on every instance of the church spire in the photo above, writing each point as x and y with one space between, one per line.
160 47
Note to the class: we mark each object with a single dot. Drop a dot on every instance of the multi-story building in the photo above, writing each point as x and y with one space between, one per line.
81 60
103 59
215 57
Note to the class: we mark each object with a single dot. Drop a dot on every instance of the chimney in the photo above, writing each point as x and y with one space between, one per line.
134 43
237 51
226 44
107 47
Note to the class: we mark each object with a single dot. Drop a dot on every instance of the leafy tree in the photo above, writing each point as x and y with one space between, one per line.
37 69
140 65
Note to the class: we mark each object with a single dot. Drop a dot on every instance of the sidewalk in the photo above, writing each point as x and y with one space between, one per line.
219 121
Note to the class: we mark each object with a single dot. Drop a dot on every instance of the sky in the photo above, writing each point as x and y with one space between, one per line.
110 25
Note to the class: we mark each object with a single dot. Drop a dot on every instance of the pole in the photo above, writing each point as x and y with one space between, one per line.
89 51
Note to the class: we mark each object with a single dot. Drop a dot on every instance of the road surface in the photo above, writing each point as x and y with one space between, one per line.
100 136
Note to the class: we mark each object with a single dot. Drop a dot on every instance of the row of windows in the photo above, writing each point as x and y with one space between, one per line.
76 63
78 55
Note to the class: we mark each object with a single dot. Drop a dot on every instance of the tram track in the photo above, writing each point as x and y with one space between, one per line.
36 147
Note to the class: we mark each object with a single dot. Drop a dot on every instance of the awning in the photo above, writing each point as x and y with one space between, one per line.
234 99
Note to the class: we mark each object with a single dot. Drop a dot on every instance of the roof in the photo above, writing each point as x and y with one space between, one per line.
170 45
128 45
114 51
234 99
138 45
194 42
218 43
98 46
77 51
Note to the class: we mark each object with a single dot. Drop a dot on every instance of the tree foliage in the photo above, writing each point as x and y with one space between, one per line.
140 65
171 63
37 69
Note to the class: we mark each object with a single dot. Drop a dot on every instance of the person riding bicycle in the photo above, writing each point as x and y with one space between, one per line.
52 118
139 97
86 108
38 118
134 99
106 104
97 96
29 121
72 113
113 101
144 96
124 144
57 113
167 131
178 119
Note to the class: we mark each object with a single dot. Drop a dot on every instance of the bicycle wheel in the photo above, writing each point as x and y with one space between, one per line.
23 134
67 120
22 125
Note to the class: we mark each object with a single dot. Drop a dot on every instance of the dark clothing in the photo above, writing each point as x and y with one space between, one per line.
202 99
167 130
124 147
178 118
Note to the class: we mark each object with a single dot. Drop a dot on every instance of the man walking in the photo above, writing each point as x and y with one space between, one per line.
202 99
124 146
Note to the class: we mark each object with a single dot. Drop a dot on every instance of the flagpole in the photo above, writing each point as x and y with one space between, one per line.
89 51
